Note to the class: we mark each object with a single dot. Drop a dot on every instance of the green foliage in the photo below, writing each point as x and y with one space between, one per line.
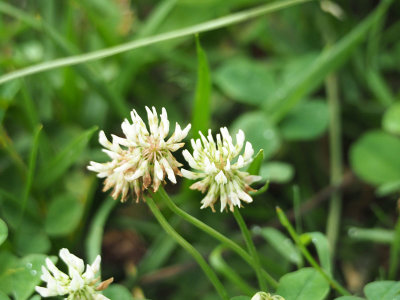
382 290
3 231
391 119
260 67
308 120
282 244
322 245
201 108
117 291
374 157
259 131
303 284
276 171
63 216
245 80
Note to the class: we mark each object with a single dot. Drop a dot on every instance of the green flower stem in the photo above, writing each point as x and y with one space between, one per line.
336 161
215 234
394 252
188 247
250 246
219 264
285 222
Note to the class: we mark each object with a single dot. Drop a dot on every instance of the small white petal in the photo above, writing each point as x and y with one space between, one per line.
168 170
248 151
221 178
45 292
158 170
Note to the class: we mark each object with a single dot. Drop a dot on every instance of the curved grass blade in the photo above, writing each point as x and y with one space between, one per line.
202 27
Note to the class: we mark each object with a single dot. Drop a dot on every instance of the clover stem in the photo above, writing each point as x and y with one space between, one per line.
188 247
162 195
250 246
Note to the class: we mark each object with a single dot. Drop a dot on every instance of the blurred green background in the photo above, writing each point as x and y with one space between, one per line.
317 89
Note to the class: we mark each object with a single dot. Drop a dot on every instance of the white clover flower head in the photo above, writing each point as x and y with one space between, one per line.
78 284
266 296
143 158
217 164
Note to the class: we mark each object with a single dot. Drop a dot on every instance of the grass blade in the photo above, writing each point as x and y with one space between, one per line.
201 109
31 170
288 96
202 27
57 166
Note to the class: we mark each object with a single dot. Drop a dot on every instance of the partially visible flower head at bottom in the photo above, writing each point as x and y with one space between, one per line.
78 285
266 296
217 164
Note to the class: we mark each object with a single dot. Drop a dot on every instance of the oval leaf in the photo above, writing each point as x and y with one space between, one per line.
375 157
382 290
64 215
304 284
117 291
391 119
245 80
259 131
323 250
306 121
276 171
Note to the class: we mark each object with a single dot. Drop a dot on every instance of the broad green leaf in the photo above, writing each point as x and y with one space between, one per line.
201 108
321 243
259 131
63 216
20 276
117 291
376 235
304 284
241 298
3 296
59 164
286 97
282 244
382 290
3 231
245 80
276 171
349 298
391 119
308 120
32 241
254 168
375 157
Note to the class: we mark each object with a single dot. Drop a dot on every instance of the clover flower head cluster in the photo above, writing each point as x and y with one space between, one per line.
142 158
217 163
266 296
78 284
